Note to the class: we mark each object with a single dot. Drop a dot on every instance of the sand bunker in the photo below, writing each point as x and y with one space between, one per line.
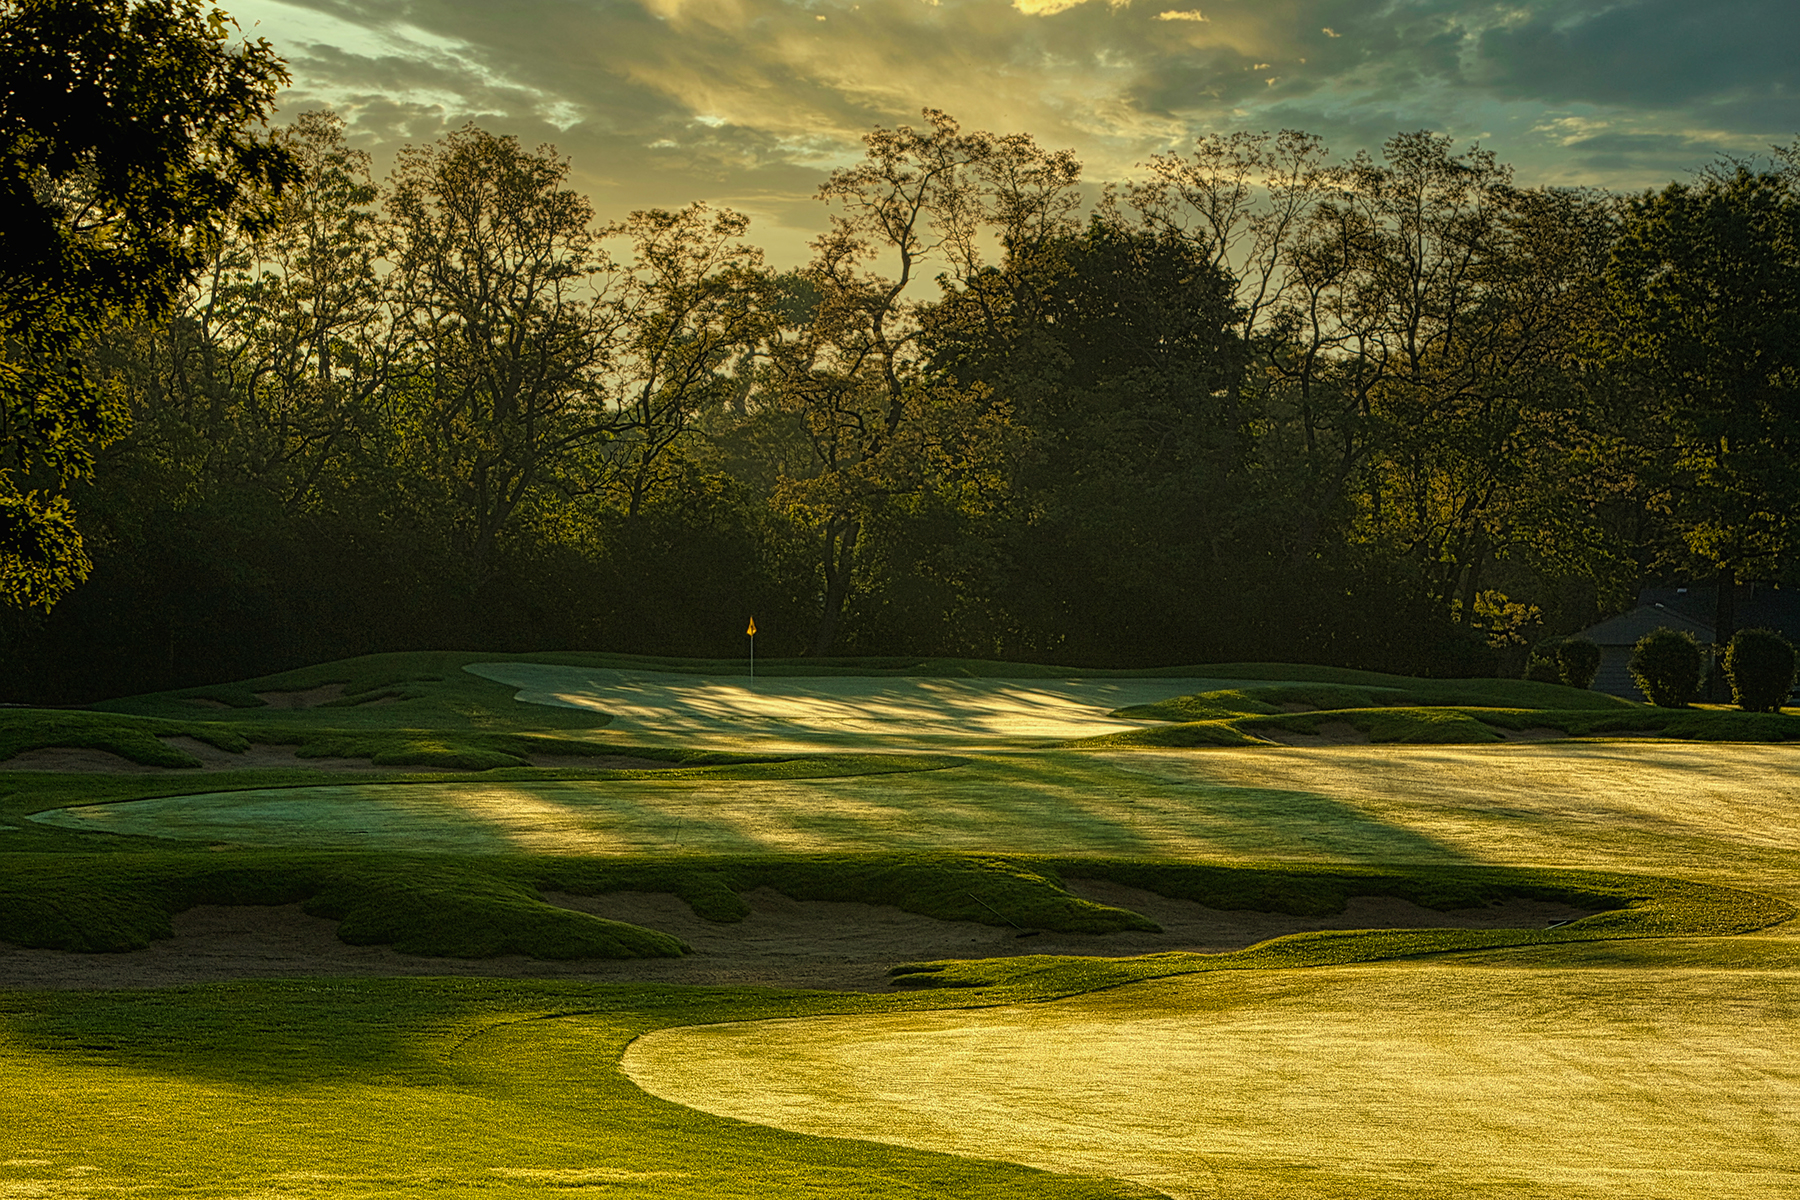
782 943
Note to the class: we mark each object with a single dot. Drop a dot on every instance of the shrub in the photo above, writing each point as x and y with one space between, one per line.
1577 661
1760 665
1462 653
1542 666
1666 666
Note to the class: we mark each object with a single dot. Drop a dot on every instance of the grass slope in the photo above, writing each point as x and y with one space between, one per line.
1403 1081
141 740
344 1088
420 1088
431 690
347 1088
470 907
1428 712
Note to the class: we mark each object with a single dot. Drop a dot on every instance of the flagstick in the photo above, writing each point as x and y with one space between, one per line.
752 633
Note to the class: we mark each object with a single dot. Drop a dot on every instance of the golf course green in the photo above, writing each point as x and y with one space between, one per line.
1647 1050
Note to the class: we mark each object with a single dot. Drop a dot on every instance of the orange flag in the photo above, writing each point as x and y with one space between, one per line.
752 632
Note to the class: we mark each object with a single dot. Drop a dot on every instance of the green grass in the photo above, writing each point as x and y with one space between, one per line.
1410 1080
468 907
431 689
1421 693
1432 712
426 1088
140 740
1408 1064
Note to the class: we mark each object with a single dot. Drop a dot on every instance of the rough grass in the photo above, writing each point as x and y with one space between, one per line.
482 907
478 908
1421 693
1455 713
140 740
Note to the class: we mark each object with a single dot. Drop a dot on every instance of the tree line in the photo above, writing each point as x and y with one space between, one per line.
1395 412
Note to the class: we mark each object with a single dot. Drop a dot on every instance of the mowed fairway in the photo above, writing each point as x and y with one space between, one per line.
1726 813
1403 1080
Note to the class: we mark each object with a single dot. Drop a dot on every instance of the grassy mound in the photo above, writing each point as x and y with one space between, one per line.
142 740
1416 693
481 907
1632 907
124 902
1428 712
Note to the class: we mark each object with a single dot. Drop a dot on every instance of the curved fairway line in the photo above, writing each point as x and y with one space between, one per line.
1385 1081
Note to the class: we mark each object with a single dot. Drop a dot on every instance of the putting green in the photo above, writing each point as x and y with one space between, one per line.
1723 812
1394 1081
799 713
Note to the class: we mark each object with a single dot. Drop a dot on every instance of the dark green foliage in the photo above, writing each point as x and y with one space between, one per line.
127 134
1666 666
1542 666
1760 665
1570 661
1703 295
1577 662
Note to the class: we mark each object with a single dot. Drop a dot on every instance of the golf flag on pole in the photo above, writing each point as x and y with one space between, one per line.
752 630
751 633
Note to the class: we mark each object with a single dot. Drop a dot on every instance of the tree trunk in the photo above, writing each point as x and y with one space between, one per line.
1724 625
1471 586
840 556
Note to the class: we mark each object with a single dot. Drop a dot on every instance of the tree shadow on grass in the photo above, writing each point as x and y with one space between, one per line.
1043 803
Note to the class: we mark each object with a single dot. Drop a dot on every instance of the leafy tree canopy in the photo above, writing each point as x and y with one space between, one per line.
127 134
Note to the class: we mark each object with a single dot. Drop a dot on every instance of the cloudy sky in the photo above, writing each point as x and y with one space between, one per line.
749 103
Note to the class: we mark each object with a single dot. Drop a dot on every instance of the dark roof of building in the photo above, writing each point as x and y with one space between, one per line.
1758 606
1626 628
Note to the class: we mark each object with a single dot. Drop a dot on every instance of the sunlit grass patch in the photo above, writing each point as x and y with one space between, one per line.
1410 1080
417 1088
